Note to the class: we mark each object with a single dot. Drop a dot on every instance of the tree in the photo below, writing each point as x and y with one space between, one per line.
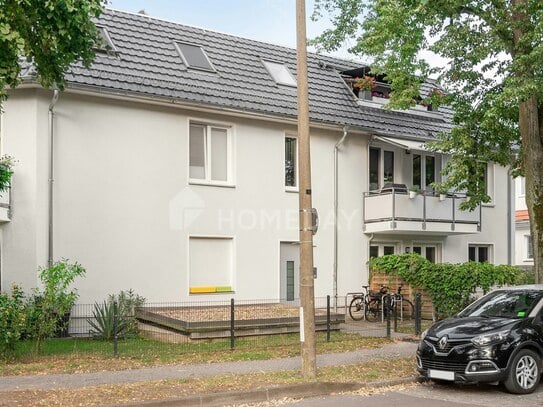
49 34
493 76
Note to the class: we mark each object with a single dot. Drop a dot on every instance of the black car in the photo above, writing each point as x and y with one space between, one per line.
498 338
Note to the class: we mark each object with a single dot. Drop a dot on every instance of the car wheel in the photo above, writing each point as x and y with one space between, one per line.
524 372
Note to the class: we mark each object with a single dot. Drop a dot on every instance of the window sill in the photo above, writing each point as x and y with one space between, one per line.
528 260
211 184
291 189
488 205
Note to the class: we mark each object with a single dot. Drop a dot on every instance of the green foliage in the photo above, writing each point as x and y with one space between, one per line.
12 320
6 164
491 70
50 34
103 322
47 309
450 286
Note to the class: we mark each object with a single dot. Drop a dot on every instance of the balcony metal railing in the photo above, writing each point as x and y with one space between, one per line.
395 204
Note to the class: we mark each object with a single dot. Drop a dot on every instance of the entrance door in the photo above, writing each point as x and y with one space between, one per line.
290 271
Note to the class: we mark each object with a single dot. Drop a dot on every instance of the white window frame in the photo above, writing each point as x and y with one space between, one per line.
437 169
521 186
230 156
381 165
490 181
528 242
490 247
297 179
381 247
423 246
233 276
268 65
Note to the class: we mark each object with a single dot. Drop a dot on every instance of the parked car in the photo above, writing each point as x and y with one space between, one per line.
498 338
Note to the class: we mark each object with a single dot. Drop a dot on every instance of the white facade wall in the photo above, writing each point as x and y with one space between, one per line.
124 207
125 210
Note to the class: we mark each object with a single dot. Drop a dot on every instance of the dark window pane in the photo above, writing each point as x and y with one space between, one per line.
530 248
416 170
374 168
290 162
430 172
483 254
388 250
374 251
388 168
431 254
472 253
417 249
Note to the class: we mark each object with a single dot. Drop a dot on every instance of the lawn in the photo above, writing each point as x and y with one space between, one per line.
88 355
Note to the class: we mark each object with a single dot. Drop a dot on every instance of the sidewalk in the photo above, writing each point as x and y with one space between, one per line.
48 382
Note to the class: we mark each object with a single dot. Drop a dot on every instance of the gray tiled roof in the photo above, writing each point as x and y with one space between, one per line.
148 64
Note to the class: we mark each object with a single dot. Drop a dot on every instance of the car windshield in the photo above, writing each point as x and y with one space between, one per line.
504 304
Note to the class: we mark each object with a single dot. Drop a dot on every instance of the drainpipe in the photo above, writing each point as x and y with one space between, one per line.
369 258
336 150
510 236
54 100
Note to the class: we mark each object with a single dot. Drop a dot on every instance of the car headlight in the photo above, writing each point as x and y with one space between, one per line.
491 338
423 334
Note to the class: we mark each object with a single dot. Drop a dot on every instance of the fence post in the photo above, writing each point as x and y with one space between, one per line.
418 314
327 318
115 328
386 310
232 333
395 312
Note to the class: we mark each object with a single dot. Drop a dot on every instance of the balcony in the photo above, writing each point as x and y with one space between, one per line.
5 206
392 210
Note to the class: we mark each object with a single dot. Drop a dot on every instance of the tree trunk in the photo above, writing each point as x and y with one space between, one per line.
531 131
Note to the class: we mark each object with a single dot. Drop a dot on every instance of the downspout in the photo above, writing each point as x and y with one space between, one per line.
336 150
369 259
54 100
511 238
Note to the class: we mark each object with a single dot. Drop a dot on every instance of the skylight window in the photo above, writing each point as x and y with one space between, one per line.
280 73
194 56
104 44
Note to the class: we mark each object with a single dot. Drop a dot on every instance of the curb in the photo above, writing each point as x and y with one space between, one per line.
271 393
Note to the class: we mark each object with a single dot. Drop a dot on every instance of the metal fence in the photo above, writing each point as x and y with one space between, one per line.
190 327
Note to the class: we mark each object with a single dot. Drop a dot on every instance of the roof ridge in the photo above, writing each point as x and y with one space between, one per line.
313 54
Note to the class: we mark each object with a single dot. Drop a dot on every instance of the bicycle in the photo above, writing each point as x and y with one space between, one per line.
358 304
405 310
373 309
397 303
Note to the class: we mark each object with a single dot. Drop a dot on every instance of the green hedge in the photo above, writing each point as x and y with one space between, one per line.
450 286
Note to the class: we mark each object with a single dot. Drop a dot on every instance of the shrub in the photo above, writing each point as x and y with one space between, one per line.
104 316
450 286
12 320
48 309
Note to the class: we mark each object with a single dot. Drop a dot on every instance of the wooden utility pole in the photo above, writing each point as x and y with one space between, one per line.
307 291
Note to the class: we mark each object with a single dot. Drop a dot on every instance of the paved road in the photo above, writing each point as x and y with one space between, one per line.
430 395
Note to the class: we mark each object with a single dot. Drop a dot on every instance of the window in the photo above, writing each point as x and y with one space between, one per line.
209 154
374 168
388 167
522 186
210 264
382 249
291 163
479 253
194 56
424 171
280 73
529 248
380 176
429 252
104 45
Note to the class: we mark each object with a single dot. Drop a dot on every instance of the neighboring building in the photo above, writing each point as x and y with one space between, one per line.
175 172
524 255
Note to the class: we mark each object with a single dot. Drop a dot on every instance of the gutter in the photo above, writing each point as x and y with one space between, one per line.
54 100
336 193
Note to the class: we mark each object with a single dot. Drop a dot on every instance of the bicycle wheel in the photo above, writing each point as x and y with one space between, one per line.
407 312
373 311
356 309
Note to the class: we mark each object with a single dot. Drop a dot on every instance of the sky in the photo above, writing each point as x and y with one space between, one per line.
271 21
